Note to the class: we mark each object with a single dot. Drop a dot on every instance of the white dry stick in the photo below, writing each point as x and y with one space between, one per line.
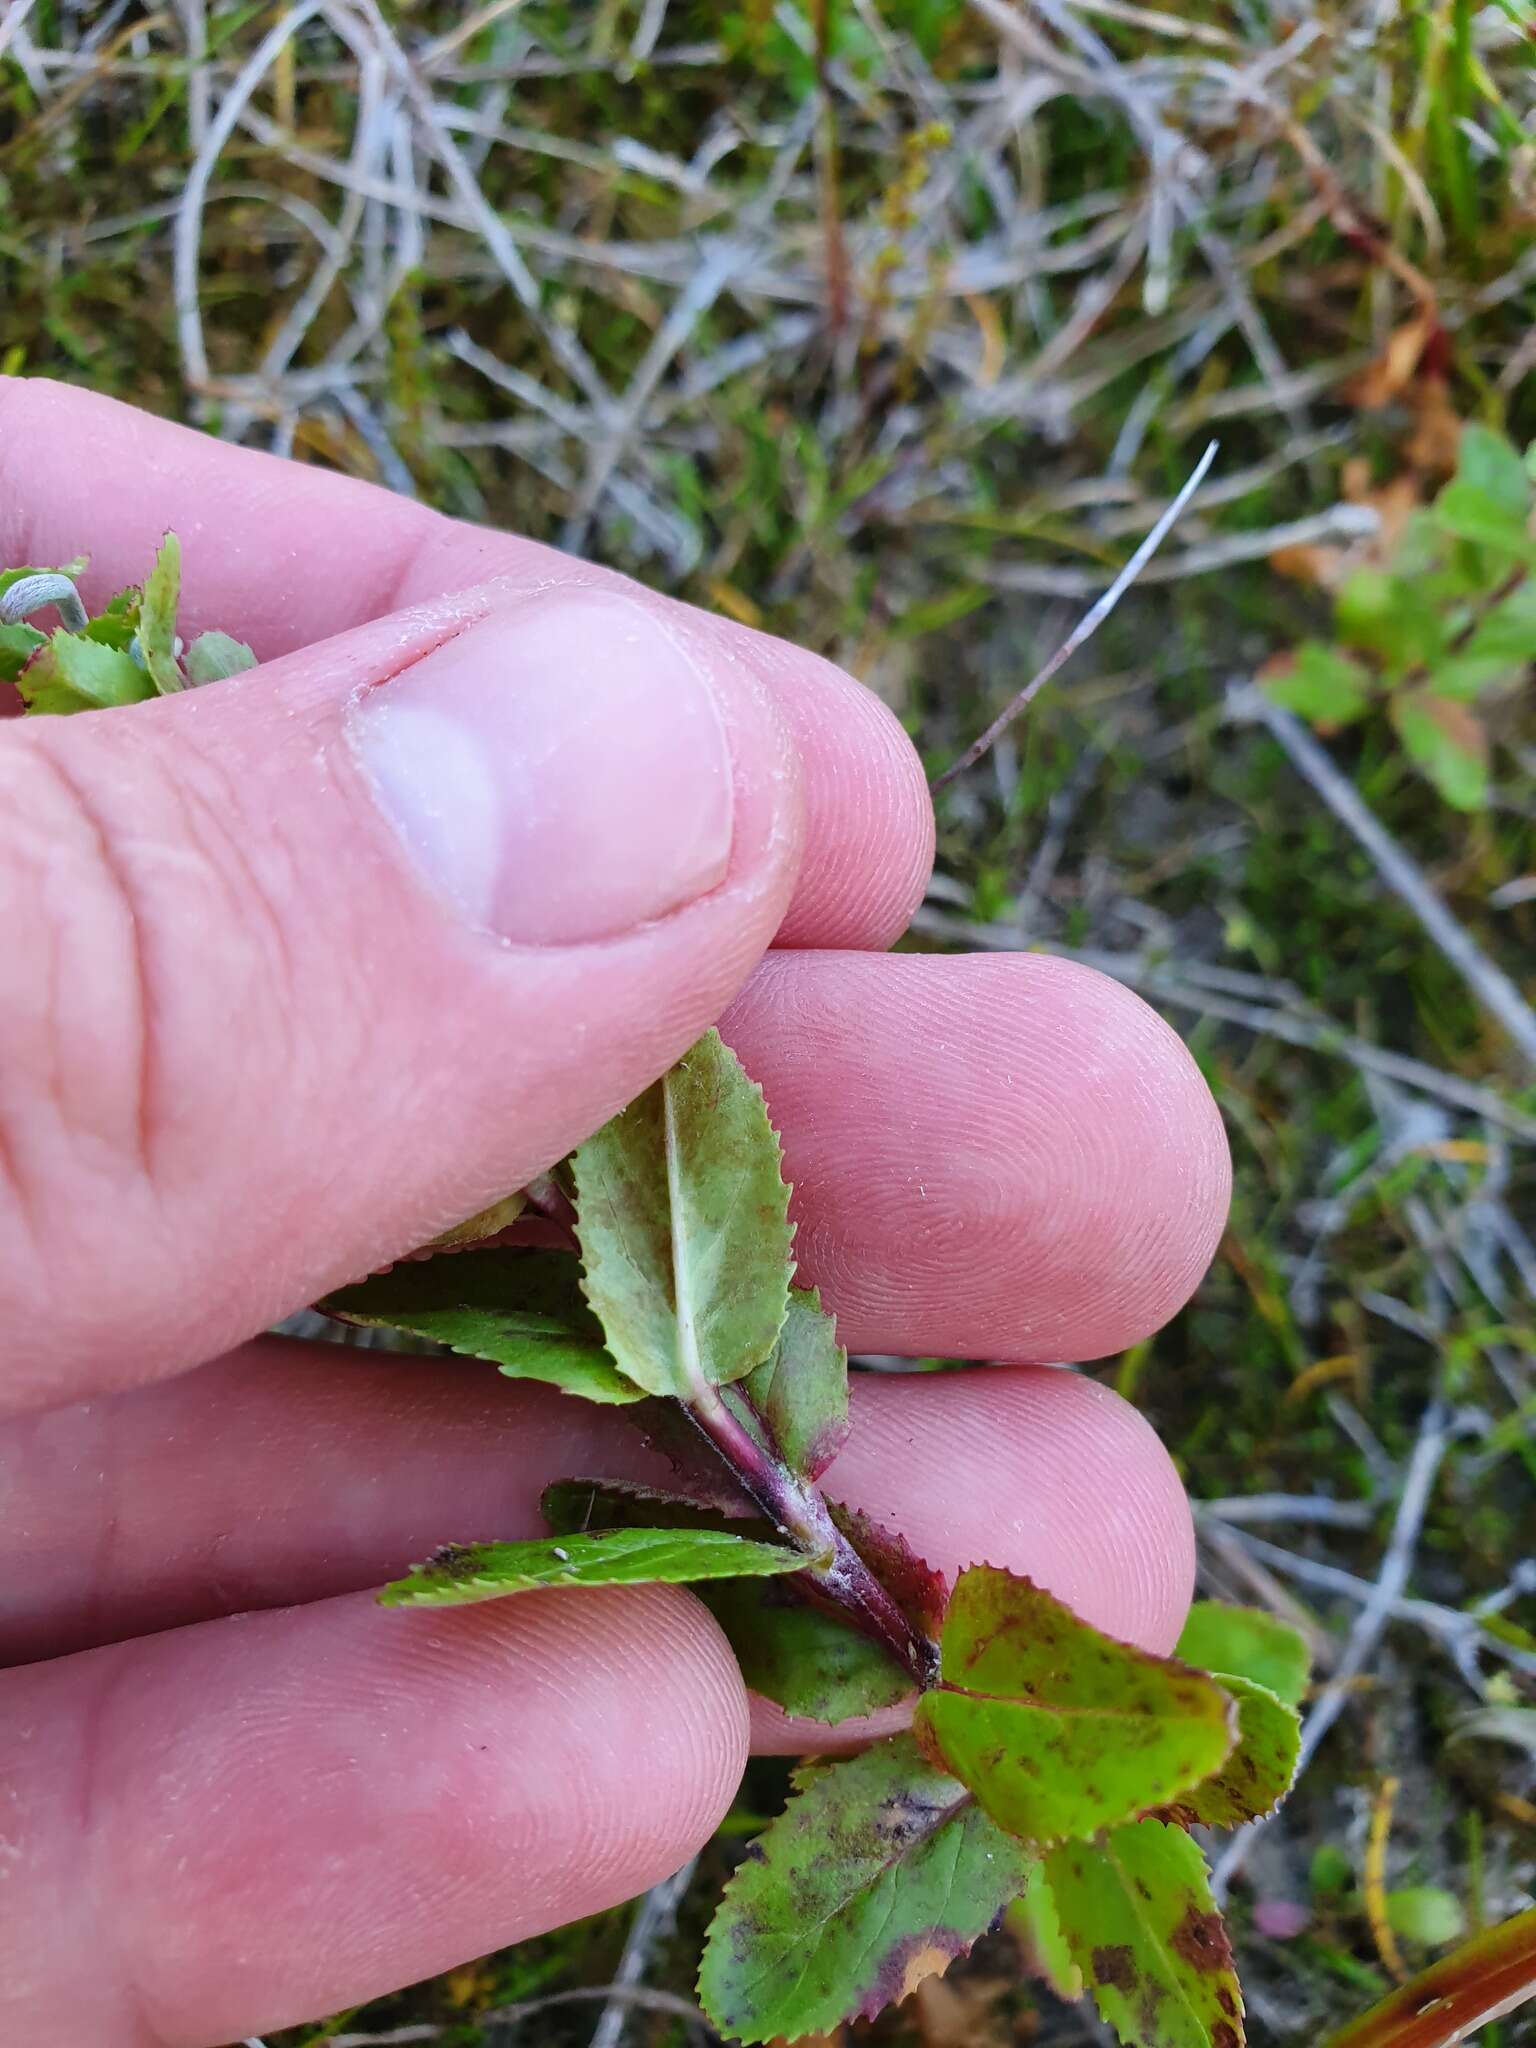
606 450
1297 1025
1085 628
654 1919
194 194
13 19
1418 1483
1490 984
560 341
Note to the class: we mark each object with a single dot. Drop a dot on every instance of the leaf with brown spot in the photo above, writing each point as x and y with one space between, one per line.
1057 1729
1258 1773
879 1872
1138 1918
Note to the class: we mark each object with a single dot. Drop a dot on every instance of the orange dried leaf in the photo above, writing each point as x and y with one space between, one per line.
1389 374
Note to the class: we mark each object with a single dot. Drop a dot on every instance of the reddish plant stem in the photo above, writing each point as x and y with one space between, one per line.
841 1577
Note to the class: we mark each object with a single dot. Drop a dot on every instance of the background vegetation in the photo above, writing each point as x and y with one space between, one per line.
892 325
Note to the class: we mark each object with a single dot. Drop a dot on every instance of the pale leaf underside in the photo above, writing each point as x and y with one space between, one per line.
683 1219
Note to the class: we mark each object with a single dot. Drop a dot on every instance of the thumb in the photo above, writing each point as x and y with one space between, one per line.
299 968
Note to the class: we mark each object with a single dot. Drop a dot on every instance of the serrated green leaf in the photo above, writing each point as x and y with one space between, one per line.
1486 462
1260 1770
1140 1922
1448 742
157 618
879 1873
801 1388
464 1573
1057 1729
74 674
1467 512
1321 684
1247 1642
683 1218
811 1663
806 1661
521 1310
18 644
213 656
1035 1924
117 623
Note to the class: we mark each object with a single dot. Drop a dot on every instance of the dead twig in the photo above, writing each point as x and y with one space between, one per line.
655 1917
1429 1450
1491 986
1086 627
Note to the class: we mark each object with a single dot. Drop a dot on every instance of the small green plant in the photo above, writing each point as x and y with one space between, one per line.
1440 633
127 652
1051 1774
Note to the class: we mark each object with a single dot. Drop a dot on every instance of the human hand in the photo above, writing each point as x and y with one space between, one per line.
299 969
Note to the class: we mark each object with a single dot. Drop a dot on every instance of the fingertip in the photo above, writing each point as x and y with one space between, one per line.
994 1156
296 1811
1037 1469
868 814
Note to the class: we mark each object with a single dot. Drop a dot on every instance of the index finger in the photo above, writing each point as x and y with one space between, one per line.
284 555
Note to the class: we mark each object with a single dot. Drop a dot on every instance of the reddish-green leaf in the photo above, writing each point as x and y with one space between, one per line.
1057 1729
1139 1921
801 1388
921 1592
1449 742
879 1873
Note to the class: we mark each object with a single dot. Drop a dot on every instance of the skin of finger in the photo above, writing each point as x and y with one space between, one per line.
120 1511
284 555
1005 1157
250 1055
244 1824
